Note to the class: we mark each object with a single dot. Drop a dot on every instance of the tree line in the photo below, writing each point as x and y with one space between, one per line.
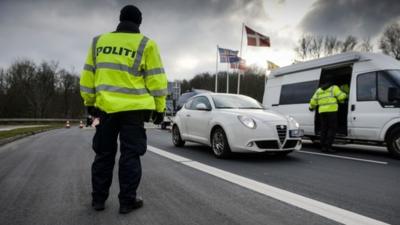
30 90
312 46
252 82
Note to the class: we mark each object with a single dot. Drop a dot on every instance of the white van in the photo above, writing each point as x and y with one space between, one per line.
372 113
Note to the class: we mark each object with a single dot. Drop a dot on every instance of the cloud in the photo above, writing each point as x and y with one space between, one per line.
187 31
361 18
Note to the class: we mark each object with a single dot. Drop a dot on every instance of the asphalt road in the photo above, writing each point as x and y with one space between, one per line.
45 179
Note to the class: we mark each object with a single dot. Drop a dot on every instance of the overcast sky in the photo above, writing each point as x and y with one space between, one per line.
187 31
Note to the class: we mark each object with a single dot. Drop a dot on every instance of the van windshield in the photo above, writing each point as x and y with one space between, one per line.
388 79
394 75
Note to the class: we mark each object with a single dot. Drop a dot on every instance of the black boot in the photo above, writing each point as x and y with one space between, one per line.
98 206
124 209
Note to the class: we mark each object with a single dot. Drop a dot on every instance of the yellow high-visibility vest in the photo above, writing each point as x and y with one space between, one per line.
123 72
345 88
327 100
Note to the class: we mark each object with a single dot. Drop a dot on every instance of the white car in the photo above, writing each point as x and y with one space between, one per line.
234 123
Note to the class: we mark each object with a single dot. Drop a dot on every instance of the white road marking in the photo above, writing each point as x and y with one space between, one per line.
344 157
328 211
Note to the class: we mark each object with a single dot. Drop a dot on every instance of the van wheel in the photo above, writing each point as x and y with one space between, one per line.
219 143
176 137
393 143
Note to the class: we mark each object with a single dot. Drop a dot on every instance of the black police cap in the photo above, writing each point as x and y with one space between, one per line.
131 13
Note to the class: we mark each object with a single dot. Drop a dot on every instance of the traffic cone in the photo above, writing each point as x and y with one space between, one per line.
67 124
81 124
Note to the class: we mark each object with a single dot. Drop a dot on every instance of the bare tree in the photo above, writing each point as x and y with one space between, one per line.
316 46
330 44
20 76
366 46
349 43
390 41
304 44
67 88
44 86
2 81
3 91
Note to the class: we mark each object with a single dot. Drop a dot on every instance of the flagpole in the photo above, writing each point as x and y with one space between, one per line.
227 78
241 48
216 73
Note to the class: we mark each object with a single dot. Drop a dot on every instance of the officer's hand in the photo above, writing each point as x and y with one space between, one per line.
158 117
311 109
93 111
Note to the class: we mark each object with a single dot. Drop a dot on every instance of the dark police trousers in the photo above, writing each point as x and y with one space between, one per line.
328 129
133 144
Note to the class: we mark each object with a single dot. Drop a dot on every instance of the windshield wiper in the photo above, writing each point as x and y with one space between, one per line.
225 107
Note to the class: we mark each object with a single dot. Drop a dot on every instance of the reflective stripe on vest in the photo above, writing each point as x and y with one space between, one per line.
88 89
139 55
123 90
94 44
89 68
122 67
156 93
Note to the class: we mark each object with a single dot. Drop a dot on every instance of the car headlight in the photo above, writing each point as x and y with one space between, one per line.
247 121
296 133
293 122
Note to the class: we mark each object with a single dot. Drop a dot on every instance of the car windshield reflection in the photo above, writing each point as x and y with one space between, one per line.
235 102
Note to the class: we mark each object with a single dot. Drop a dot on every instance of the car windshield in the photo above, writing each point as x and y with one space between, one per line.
235 102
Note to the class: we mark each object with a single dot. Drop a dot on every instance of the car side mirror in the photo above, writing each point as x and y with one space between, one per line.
393 94
202 106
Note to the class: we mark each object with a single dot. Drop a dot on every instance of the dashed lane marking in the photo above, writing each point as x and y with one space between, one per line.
328 211
343 157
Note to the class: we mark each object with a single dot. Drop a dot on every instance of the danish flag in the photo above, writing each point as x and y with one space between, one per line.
256 39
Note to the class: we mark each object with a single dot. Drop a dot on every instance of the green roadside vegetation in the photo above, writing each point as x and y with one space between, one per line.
29 130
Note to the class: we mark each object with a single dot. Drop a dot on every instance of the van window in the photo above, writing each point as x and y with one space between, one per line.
298 93
366 87
387 79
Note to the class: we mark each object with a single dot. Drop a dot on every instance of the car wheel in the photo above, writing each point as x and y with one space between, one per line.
176 137
219 143
393 143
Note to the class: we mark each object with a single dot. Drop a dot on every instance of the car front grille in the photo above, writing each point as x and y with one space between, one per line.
290 143
282 130
267 144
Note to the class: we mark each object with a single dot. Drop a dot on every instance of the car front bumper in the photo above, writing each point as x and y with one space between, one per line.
264 138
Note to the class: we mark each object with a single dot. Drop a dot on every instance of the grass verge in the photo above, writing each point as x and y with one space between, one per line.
28 130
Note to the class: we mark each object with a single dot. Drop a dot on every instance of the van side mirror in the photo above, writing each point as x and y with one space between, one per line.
393 94
202 106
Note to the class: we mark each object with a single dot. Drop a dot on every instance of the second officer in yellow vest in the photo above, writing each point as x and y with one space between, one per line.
122 81
326 99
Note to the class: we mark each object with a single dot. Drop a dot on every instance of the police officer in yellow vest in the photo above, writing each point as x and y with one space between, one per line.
326 98
123 80
345 88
